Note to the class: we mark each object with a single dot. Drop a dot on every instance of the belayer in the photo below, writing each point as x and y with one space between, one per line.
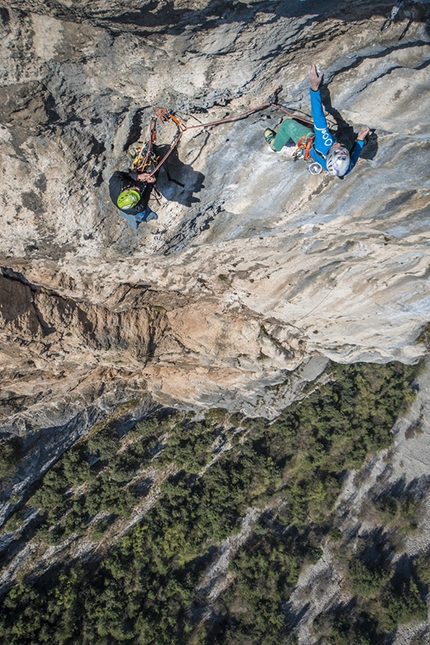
318 143
130 192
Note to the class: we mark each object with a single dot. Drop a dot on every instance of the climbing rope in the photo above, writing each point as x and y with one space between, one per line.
164 115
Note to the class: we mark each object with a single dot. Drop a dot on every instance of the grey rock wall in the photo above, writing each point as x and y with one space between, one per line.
254 266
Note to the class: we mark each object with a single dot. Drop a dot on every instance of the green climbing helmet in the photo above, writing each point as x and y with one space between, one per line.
128 198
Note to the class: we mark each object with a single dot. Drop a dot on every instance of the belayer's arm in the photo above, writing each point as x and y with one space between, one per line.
146 177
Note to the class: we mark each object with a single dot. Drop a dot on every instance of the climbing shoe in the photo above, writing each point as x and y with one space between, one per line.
151 216
270 135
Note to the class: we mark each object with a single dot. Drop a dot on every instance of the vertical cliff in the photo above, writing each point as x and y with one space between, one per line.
254 266
255 274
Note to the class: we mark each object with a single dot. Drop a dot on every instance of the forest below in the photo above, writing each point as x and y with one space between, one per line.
160 502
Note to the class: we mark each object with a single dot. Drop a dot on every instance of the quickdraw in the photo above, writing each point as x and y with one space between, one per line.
144 162
304 145
164 115
145 158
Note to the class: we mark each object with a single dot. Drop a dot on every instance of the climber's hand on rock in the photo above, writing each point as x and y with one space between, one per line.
145 176
314 78
363 132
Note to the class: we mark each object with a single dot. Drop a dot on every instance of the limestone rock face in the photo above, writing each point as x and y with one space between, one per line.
254 267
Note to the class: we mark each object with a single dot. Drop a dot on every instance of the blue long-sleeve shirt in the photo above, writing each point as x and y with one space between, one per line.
324 139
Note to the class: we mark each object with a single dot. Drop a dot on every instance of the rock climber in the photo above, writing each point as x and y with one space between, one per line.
329 153
130 192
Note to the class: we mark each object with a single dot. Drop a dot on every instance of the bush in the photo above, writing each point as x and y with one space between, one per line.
103 444
366 580
76 468
11 452
99 528
401 512
50 496
401 603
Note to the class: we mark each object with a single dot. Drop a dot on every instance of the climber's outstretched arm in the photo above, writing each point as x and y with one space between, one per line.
314 77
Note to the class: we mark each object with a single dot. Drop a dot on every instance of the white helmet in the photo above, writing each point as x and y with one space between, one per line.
338 161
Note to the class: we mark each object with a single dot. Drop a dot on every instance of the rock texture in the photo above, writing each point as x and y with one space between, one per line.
254 267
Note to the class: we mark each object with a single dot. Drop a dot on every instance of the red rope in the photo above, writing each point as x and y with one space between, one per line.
292 114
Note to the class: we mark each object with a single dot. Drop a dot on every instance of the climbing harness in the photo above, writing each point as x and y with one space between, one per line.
304 145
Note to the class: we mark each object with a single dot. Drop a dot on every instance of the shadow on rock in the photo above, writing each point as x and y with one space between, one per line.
178 182
370 150
414 12
345 132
